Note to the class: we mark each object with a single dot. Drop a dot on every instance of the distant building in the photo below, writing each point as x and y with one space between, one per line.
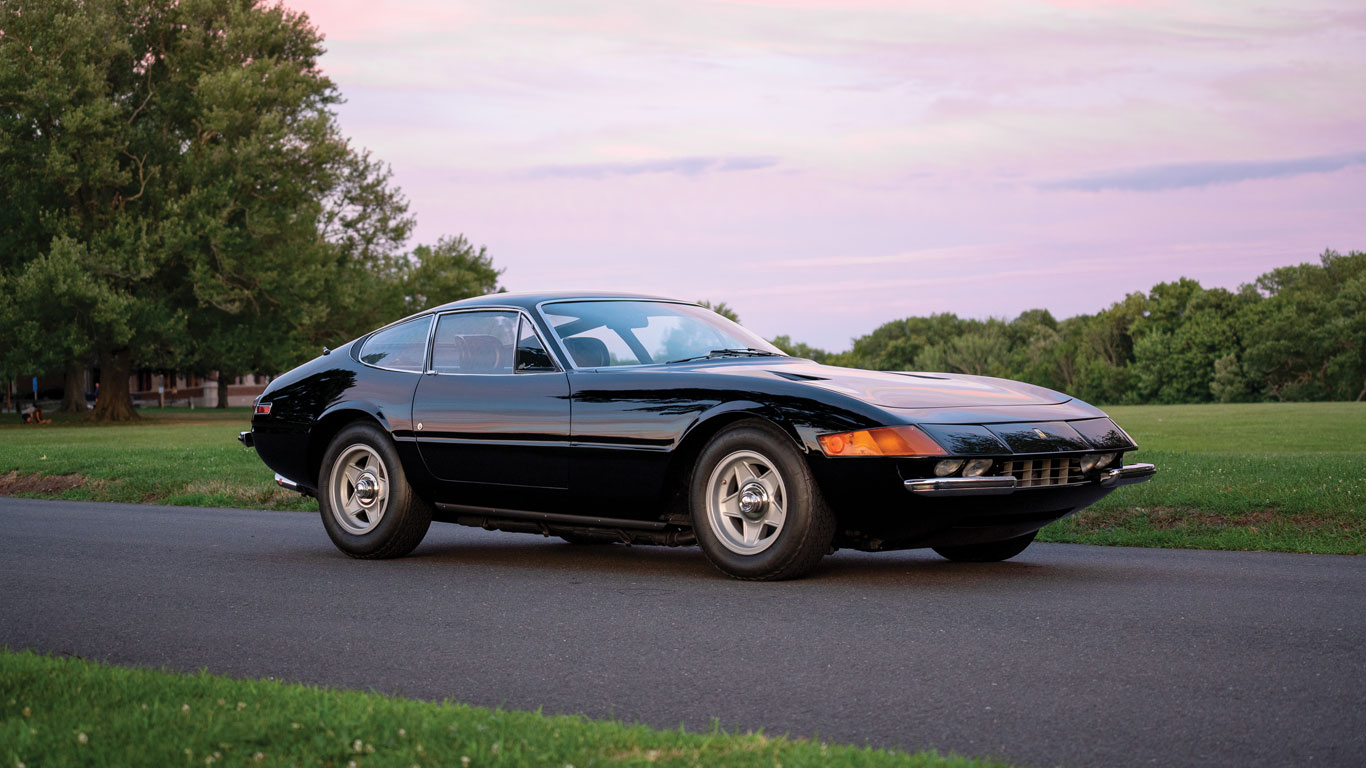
148 387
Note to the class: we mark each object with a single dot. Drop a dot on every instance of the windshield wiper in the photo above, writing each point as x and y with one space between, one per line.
732 351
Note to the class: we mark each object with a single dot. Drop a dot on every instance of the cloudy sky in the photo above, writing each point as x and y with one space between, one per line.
824 166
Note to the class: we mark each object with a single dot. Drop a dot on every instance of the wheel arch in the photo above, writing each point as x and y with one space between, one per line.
702 430
332 422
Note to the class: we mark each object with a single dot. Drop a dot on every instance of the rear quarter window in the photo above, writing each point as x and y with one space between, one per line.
402 348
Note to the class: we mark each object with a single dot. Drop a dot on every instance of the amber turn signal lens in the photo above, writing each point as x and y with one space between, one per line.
886 441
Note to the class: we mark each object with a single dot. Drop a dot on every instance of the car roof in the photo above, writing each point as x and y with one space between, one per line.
529 300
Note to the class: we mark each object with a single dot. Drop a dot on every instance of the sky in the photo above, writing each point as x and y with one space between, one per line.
825 166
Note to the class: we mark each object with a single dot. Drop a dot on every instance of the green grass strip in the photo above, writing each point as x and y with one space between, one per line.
1283 477
64 711
1280 477
172 456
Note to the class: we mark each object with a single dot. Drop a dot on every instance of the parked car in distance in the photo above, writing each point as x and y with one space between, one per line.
602 418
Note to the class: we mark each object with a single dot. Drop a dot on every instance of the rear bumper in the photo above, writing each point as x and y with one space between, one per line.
1000 486
290 485
245 438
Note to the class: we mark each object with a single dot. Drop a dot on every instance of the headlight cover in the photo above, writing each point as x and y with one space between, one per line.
947 467
1093 460
977 467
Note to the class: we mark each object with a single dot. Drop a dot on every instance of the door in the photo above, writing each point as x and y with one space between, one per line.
493 408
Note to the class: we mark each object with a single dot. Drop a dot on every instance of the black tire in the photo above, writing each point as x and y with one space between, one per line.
401 517
808 525
990 552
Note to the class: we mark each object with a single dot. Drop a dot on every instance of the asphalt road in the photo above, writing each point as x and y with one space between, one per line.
1071 655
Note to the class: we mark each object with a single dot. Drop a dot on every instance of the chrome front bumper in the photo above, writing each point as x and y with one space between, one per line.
1133 473
999 486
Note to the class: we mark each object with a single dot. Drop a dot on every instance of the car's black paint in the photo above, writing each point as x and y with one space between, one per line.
618 443
505 429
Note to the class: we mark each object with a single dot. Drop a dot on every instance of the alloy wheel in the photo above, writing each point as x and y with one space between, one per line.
359 489
746 502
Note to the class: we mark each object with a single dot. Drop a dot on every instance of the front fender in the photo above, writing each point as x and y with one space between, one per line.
706 422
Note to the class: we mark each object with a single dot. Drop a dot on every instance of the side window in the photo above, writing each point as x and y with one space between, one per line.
531 355
474 342
403 347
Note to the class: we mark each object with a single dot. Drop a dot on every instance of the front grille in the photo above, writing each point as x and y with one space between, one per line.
1040 473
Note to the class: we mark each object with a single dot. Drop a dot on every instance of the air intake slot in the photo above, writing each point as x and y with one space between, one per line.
1042 473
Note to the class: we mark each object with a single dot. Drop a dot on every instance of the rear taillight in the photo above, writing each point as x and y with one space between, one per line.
263 409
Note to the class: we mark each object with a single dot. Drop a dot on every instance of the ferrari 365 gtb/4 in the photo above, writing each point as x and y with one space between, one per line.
607 417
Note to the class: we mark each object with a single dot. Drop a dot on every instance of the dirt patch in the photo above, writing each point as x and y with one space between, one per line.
13 483
1185 519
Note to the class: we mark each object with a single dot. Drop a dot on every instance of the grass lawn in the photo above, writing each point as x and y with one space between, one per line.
63 711
1287 477
172 456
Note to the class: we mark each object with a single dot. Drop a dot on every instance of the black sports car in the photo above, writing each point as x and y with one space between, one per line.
607 417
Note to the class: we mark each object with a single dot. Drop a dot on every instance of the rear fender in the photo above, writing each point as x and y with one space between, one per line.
334 420
357 407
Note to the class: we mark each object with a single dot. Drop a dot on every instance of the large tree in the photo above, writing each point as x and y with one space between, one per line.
1307 340
182 153
450 270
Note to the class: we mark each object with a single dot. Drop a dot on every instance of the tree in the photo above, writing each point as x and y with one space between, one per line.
11 362
72 165
896 346
1307 340
1178 343
721 309
1229 384
56 303
183 153
982 351
448 271
799 349
364 225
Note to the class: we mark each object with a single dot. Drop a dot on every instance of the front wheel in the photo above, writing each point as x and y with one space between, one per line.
756 509
367 506
990 552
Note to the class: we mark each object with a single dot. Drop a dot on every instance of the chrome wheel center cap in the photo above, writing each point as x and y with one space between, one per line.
753 501
367 489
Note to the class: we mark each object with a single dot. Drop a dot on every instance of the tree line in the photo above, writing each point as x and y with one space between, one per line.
175 193
1295 333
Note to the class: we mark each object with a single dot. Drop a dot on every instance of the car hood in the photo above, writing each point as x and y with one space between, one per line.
897 389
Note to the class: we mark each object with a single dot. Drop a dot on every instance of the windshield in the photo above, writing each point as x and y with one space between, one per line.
598 334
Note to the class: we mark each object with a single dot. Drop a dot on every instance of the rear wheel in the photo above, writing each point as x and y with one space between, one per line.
367 506
990 552
756 509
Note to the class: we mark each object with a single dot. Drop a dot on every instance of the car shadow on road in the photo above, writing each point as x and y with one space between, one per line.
668 565
527 553
922 568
